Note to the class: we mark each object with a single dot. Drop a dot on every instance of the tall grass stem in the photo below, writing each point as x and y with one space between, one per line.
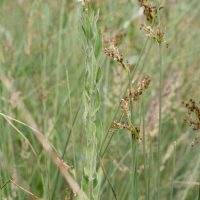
144 147
173 168
160 107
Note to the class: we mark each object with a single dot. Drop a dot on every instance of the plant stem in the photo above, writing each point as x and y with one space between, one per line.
160 108
71 124
174 158
144 149
160 119
59 55
57 183
133 146
152 161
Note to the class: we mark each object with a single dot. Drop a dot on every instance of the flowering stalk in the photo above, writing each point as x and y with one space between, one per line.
160 107
126 105
91 44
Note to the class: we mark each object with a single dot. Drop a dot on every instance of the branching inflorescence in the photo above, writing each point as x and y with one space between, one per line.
113 52
149 11
158 36
196 113
125 109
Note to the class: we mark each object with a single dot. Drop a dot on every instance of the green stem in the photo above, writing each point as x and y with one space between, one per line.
152 161
59 55
144 149
160 119
71 123
91 189
91 115
174 158
149 178
133 146
57 183
160 108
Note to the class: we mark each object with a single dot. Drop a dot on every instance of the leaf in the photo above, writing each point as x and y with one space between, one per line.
90 161
87 129
98 47
99 75
98 102
88 28
96 17
99 133
97 183
85 101
96 188
83 40
91 66
85 185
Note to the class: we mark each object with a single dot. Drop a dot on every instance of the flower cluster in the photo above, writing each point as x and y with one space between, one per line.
134 95
125 108
158 36
117 126
143 86
113 52
149 11
193 108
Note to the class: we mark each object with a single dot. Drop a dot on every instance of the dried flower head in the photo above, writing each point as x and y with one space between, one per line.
149 11
158 36
125 109
193 117
113 52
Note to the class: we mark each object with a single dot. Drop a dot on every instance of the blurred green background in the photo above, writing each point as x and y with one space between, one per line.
39 41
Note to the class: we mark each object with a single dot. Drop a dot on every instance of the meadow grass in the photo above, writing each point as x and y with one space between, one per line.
39 41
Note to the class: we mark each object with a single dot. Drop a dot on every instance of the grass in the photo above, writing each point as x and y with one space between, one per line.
39 41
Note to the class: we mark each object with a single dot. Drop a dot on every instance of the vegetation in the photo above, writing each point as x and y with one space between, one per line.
50 112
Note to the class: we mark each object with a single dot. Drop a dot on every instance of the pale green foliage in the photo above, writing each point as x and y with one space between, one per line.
91 44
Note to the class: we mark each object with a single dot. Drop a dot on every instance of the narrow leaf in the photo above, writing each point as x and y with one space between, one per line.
83 40
99 133
88 28
99 75
91 66
98 101
98 47
85 185
90 162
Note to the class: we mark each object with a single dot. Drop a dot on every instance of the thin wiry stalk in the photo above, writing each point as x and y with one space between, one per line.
32 150
149 178
152 161
134 147
59 55
160 117
64 151
173 168
20 188
40 134
104 171
64 104
144 148
71 123
160 108
44 111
